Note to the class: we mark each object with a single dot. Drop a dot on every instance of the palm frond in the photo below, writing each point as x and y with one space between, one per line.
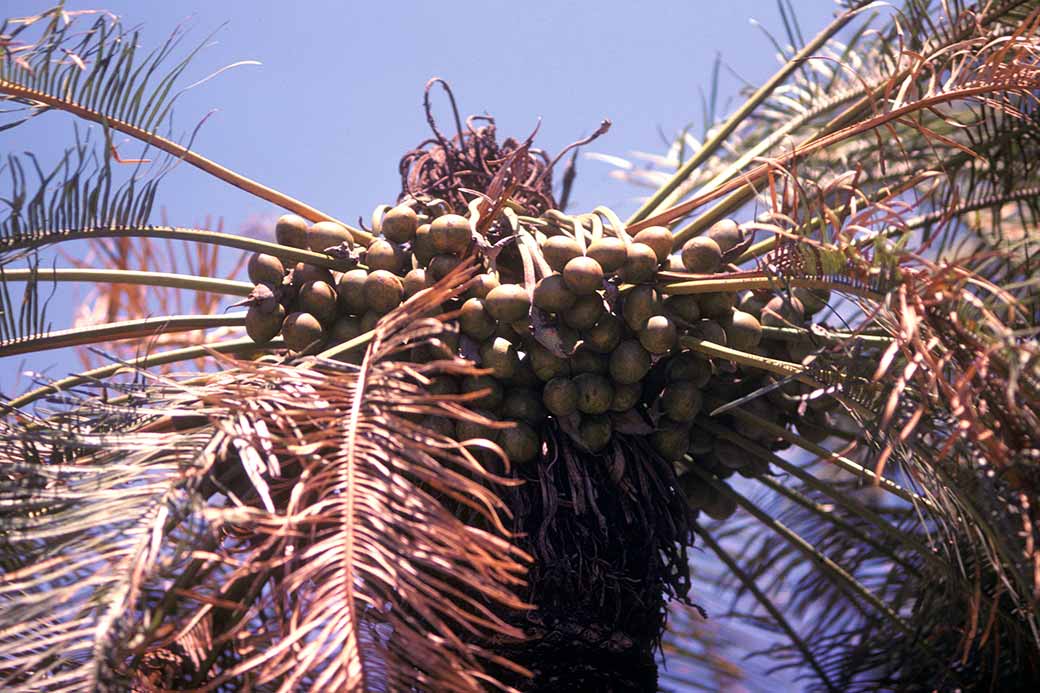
381 584
86 515
48 61
926 221
353 506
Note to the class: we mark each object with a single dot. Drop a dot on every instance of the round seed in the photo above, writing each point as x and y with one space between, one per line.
383 291
702 255
726 234
586 312
659 238
301 330
264 325
560 396
291 230
508 302
265 269
641 264
559 250
450 233
327 234
583 275
609 252
629 363
400 224
552 295
350 292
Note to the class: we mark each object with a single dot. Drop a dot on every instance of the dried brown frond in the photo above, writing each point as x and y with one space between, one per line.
448 169
346 503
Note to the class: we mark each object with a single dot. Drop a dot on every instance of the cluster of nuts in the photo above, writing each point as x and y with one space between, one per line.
595 342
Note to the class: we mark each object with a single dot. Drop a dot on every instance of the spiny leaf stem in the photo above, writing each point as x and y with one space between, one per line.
127 329
231 346
211 167
228 240
117 276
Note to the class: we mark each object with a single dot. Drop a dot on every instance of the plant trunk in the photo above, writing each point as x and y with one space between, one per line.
609 534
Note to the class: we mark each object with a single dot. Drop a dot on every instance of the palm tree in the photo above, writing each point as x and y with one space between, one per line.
472 446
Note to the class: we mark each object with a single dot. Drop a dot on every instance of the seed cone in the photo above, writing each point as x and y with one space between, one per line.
601 308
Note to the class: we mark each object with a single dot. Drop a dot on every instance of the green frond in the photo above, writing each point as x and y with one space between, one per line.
87 519
83 190
97 68
49 61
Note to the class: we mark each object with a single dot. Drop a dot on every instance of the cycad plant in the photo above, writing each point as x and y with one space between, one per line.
472 446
